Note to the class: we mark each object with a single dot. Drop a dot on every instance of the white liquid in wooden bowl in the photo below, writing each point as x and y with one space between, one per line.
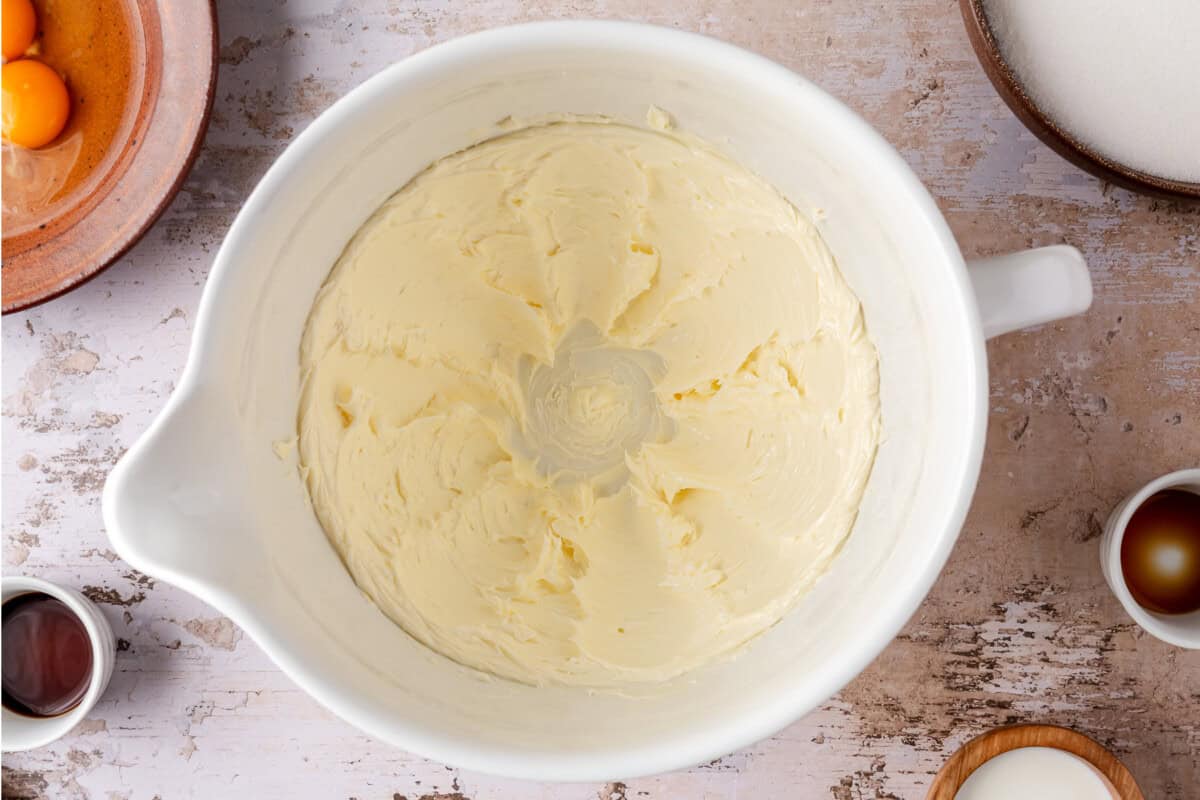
1036 773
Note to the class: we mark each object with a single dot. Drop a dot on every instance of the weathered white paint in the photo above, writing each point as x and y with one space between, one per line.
1020 626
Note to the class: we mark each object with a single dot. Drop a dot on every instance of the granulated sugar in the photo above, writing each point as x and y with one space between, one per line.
1122 76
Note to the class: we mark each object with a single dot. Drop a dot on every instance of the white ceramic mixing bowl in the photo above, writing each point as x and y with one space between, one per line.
203 502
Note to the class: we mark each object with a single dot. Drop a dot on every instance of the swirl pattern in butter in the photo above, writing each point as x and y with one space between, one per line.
587 404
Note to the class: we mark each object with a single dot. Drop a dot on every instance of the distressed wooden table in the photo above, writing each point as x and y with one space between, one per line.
1020 626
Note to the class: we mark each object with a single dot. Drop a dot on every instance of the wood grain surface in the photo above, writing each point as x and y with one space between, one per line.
1020 627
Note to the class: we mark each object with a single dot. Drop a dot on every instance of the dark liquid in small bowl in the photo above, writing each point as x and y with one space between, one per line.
47 656
1160 554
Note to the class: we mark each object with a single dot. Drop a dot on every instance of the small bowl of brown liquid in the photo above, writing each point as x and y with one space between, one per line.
58 653
1150 554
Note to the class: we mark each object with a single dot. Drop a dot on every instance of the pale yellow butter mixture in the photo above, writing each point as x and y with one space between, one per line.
587 404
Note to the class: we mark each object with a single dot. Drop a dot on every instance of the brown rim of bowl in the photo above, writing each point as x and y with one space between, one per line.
64 280
1005 81
987 746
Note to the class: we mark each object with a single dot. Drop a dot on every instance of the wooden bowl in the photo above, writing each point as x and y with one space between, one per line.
970 756
178 47
979 31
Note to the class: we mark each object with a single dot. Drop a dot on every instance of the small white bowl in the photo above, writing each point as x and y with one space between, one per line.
25 733
1181 630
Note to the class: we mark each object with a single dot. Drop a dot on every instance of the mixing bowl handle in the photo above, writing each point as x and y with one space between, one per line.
1023 289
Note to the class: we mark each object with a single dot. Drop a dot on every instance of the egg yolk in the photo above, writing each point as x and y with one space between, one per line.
18 26
35 103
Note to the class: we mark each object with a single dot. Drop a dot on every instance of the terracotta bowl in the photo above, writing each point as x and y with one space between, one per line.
983 748
177 49
1060 141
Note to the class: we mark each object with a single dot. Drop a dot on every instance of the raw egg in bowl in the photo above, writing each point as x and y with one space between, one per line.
104 106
